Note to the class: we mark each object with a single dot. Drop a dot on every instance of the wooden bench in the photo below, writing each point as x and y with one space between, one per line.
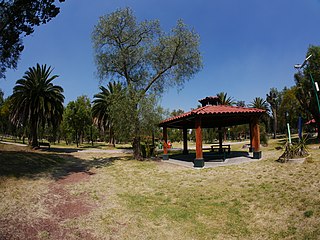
218 154
44 144
206 148
224 147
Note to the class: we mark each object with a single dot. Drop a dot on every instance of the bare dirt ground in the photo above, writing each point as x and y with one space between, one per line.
60 206
45 207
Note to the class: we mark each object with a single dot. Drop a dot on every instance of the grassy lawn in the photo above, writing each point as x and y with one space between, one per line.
130 199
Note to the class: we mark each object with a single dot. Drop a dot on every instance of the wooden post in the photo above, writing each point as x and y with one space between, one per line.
198 162
165 144
255 131
185 141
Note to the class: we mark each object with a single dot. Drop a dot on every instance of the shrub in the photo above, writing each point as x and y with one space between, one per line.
296 150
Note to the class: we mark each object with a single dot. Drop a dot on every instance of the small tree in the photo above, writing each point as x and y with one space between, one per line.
289 109
175 135
144 58
78 117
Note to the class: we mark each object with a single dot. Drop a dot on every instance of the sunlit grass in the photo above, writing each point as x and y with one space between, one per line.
156 200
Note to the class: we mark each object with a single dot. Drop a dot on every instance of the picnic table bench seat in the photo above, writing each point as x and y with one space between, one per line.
46 144
224 147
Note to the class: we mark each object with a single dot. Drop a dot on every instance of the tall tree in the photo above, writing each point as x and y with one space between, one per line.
260 103
274 99
1 97
18 19
36 101
146 59
225 100
101 109
306 93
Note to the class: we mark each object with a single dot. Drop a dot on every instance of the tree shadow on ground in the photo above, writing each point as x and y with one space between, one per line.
209 156
33 164
60 150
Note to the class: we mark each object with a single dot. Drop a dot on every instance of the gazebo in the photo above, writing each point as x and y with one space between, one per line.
213 115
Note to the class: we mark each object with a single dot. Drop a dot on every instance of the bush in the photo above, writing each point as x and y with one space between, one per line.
147 150
296 150
263 136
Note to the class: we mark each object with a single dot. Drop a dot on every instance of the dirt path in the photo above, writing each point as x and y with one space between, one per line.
61 206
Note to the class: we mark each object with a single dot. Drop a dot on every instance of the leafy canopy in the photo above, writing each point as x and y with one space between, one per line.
224 99
77 117
36 101
17 20
141 55
305 91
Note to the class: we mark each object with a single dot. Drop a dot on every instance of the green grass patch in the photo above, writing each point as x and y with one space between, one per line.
156 200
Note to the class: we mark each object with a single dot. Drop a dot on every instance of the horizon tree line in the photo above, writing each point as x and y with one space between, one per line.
145 61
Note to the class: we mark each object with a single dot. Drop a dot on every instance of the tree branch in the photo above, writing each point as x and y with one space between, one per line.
160 73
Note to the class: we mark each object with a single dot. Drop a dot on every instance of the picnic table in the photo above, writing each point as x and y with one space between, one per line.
225 147
44 144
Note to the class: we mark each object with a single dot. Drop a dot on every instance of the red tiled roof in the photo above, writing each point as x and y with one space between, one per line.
216 110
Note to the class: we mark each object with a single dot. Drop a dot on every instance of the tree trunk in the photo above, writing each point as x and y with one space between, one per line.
77 141
275 123
112 137
91 136
136 142
136 148
34 133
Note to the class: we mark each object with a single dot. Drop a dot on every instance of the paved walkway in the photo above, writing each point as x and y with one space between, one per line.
105 151
187 161
16 144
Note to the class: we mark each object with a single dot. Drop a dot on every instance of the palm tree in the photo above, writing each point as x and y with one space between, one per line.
36 101
260 103
273 98
225 100
101 107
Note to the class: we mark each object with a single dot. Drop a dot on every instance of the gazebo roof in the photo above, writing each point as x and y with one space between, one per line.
213 116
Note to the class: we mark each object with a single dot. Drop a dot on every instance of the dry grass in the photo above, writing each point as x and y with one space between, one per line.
156 200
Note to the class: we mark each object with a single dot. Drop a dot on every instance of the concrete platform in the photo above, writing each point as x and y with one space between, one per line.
212 160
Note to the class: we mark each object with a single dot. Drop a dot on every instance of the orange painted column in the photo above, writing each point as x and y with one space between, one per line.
255 134
165 140
198 162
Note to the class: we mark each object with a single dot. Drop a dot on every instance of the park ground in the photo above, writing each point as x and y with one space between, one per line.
69 194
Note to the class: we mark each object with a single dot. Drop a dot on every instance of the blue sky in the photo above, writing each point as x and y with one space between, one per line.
248 46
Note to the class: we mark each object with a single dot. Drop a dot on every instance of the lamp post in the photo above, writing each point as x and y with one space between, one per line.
314 84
